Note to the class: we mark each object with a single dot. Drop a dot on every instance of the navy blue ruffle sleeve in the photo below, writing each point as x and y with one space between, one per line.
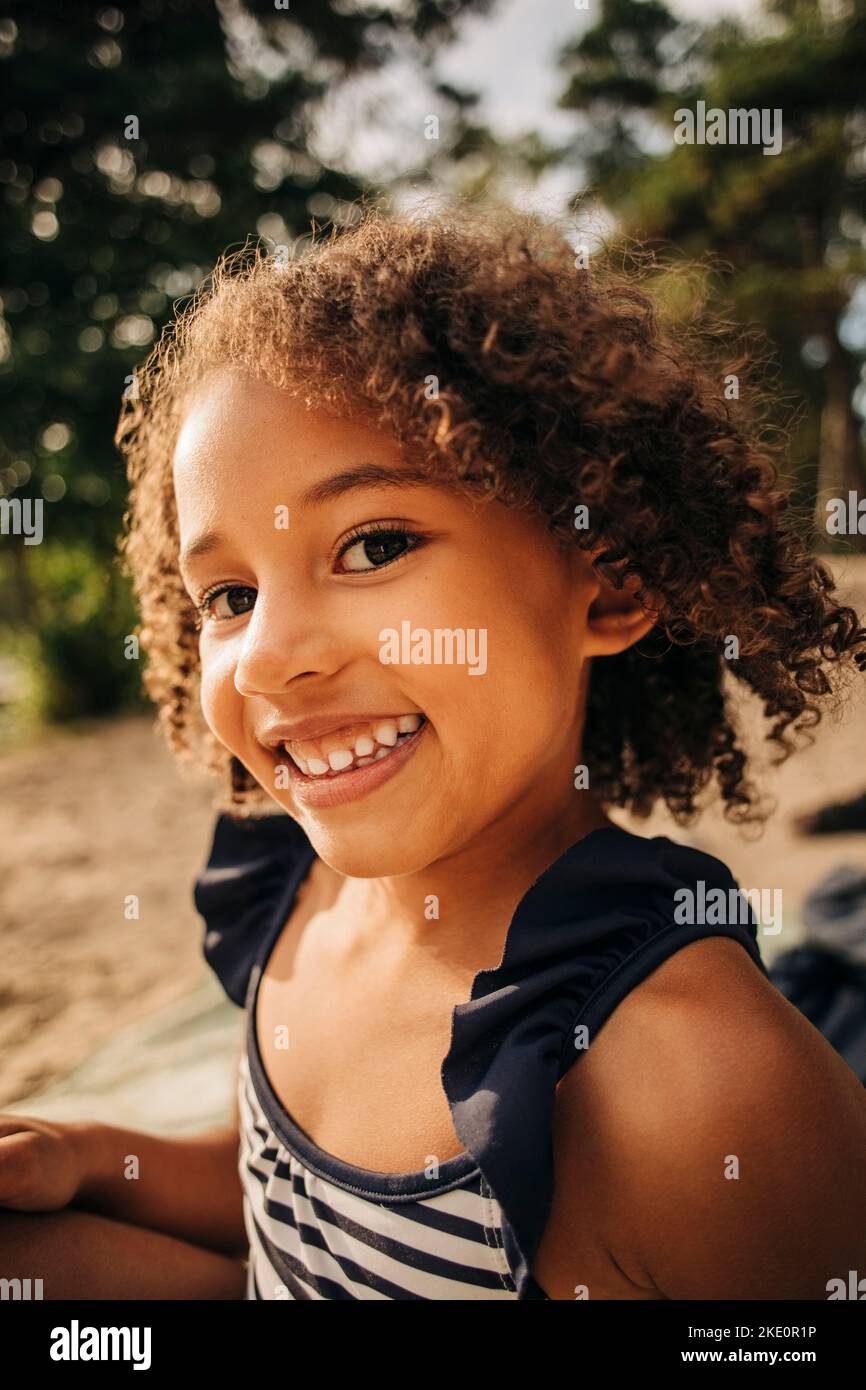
252 864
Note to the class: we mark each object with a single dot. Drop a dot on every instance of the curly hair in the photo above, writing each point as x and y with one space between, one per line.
507 366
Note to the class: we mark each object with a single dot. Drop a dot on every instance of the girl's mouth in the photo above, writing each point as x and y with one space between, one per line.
349 763
358 746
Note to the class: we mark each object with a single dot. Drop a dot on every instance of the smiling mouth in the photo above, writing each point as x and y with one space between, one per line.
345 750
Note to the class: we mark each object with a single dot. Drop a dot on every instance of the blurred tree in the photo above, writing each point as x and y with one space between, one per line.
140 140
790 225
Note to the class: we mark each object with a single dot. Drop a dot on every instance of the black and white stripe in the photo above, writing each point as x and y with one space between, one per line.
312 1239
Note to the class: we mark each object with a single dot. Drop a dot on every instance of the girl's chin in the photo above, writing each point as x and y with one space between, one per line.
361 855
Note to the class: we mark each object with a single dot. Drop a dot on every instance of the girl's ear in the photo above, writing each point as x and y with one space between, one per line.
615 620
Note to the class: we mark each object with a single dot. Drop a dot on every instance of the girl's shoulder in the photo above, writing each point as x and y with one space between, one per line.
697 1133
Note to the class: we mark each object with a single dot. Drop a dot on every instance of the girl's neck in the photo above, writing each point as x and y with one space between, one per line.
462 904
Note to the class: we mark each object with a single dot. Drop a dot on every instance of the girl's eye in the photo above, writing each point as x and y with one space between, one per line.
362 552
228 602
375 549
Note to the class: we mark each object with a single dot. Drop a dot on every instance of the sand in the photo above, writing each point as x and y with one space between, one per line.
87 818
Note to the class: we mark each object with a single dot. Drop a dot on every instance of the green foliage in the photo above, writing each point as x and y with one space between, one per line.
76 660
790 227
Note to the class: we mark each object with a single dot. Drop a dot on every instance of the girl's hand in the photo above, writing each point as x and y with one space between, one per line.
40 1163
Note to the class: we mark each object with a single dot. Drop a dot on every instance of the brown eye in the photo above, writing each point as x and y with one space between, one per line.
373 551
228 603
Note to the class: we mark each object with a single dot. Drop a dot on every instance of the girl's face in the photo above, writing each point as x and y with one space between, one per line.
345 606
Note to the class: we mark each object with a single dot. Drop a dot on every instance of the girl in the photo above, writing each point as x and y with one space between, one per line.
496 1046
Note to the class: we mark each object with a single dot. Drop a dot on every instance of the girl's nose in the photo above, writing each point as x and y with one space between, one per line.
277 646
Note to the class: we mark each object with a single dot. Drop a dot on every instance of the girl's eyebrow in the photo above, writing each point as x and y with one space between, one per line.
367 475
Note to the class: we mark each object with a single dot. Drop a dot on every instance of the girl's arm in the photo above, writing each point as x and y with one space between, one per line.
729 1135
76 1254
185 1187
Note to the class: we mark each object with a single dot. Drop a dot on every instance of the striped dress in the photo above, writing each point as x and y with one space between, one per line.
312 1236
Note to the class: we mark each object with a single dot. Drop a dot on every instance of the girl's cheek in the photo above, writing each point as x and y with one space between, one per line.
221 703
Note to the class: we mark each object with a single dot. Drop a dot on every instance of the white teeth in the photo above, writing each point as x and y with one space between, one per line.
390 733
342 758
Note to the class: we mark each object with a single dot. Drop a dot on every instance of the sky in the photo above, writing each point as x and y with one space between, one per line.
508 57
521 39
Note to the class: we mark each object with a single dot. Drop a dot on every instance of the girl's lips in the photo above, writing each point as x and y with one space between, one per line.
320 792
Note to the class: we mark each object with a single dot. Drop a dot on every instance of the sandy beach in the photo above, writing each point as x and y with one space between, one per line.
86 819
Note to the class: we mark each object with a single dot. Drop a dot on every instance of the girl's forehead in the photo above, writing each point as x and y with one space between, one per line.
246 447
232 419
